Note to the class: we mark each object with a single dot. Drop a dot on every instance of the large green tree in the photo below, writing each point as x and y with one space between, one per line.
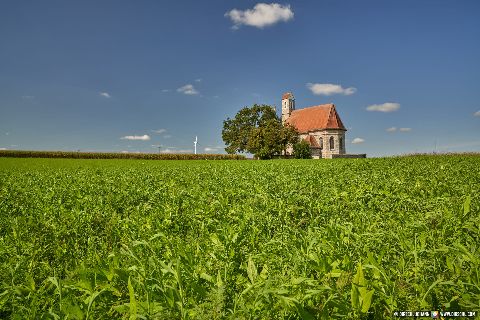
264 141
257 130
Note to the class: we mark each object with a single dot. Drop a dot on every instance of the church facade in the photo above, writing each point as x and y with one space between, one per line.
320 126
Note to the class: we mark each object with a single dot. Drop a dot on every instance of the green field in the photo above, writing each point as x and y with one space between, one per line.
283 239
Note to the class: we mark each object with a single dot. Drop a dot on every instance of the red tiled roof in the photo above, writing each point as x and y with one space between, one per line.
315 118
287 95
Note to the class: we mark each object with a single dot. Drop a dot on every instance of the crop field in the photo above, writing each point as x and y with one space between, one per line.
200 239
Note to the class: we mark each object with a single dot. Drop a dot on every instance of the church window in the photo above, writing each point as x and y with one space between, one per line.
321 143
341 144
332 144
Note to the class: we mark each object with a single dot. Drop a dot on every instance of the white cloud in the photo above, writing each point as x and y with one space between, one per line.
159 131
3 149
328 89
392 129
145 137
262 15
166 90
28 97
188 89
173 150
7 133
124 151
198 80
405 129
209 149
167 136
384 107
477 114
105 94
358 140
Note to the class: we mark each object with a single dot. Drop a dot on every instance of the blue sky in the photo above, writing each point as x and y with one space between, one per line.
131 75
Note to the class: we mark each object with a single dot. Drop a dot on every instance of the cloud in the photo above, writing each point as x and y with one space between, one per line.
167 136
198 80
477 114
384 107
328 89
3 149
172 150
187 89
262 15
209 149
28 97
7 133
166 90
145 137
159 131
105 94
358 140
393 129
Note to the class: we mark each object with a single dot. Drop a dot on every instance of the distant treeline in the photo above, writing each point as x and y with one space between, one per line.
432 154
113 155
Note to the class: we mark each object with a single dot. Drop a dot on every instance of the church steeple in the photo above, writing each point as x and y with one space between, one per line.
288 105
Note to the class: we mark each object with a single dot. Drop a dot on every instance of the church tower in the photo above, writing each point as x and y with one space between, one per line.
288 105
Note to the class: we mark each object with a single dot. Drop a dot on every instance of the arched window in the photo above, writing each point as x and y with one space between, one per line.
321 143
341 146
332 143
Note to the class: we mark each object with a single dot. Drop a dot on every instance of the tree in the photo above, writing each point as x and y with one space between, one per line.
264 140
288 137
301 150
236 131
257 130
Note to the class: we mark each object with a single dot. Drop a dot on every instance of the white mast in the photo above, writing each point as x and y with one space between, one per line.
195 143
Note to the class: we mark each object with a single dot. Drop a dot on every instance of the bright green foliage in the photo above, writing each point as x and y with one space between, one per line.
286 239
301 150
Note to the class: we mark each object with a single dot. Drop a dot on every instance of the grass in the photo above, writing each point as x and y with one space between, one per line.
286 239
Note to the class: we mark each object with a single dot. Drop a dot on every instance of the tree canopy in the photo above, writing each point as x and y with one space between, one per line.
257 130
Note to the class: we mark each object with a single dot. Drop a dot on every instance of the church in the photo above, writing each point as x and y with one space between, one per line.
320 126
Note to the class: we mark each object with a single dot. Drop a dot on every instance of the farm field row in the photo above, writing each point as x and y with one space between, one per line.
280 239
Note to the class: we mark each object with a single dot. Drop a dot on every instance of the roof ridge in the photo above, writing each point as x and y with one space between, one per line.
319 117
320 105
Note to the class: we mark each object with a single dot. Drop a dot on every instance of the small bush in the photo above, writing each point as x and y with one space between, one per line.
301 150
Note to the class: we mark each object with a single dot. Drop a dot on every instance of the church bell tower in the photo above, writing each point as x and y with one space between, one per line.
288 105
